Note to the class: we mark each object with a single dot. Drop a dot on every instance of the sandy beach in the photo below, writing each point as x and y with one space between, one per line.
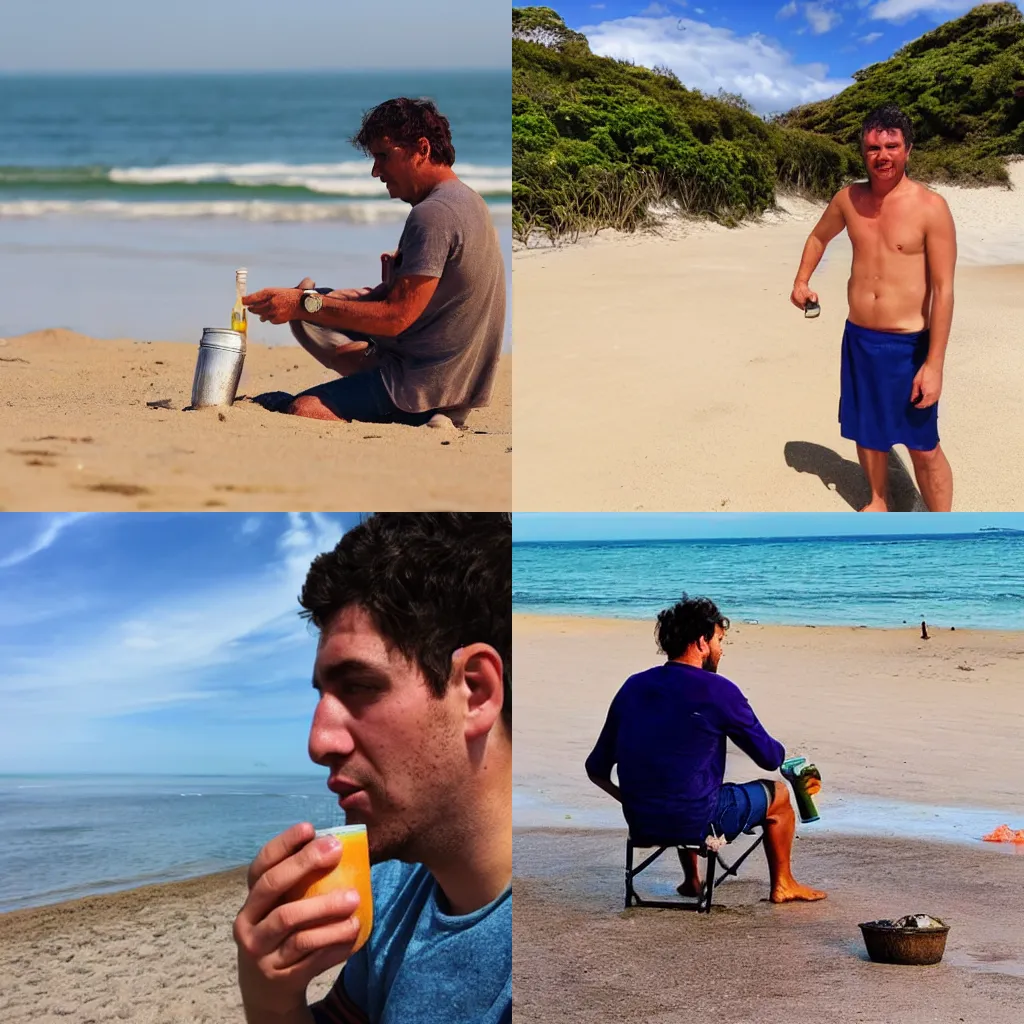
905 729
162 954
98 425
674 374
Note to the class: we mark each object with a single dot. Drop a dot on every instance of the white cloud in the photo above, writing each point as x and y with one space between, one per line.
901 10
46 538
822 19
173 651
250 525
710 58
654 10
871 37
788 11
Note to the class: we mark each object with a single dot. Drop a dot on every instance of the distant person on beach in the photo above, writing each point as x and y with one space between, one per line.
425 342
666 731
413 718
900 297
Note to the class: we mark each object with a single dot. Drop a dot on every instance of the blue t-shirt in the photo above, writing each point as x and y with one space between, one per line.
666 730
422 964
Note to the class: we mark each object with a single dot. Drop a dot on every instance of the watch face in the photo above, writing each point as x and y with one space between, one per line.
312 302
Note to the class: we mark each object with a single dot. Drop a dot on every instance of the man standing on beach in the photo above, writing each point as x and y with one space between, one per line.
413 676
666 730
900 310
425 341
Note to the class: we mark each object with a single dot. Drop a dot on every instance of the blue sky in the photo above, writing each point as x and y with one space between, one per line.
252 35
540 526
776 53
157 643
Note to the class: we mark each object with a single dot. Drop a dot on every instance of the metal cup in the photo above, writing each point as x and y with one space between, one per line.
218 367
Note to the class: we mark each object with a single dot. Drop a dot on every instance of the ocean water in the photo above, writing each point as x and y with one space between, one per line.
127 201
972 580
67 837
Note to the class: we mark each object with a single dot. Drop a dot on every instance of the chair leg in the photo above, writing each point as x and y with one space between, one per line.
708 889
629 873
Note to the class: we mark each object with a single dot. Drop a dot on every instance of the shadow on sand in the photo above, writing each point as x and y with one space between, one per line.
846 478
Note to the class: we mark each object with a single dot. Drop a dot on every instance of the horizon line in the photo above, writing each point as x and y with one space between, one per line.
781 537
349 69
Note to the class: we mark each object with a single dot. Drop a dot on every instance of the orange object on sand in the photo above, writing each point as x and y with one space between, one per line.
1005 834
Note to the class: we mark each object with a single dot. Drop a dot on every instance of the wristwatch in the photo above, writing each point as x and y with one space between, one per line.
312 301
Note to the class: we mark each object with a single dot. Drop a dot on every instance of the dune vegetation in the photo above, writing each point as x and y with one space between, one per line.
598 142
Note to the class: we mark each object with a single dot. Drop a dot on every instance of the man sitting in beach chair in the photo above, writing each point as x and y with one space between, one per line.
425 342
666 731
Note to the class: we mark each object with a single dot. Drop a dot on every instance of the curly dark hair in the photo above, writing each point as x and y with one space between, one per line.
888 119
431 583
689 619
405 122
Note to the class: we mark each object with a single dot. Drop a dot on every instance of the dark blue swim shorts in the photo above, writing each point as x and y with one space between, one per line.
364 397
741 806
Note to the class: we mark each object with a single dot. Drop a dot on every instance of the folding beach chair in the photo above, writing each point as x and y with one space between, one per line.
712 861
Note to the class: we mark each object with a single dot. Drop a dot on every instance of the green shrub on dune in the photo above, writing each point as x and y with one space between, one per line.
961 85
597 142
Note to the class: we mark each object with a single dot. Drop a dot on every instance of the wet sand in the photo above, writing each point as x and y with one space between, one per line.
162 954
887 717
578 957
95 425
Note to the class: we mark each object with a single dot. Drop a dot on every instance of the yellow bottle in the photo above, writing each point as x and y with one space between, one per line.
238 318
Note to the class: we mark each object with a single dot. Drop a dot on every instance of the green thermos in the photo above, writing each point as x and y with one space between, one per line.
796 771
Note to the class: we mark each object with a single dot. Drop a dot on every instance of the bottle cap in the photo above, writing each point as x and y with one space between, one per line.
241 273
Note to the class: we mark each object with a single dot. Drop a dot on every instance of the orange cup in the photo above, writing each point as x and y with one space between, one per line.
351 872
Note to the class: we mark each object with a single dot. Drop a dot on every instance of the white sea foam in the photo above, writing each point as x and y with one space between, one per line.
349 178
366 212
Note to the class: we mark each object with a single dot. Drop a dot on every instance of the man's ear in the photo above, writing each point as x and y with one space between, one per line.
479 670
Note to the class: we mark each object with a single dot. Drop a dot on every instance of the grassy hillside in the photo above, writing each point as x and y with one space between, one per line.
596 142
962 85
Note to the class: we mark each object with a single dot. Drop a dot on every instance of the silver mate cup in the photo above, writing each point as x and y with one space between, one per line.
218 367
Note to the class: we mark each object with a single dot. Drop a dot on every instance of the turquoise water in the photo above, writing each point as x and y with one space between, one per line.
127 201
252 146
66 837
971 580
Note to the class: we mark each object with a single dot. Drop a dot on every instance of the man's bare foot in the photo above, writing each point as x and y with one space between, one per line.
689 888
876 505
795 891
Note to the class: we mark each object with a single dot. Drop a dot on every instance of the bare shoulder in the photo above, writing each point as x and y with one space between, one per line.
931 201
846 193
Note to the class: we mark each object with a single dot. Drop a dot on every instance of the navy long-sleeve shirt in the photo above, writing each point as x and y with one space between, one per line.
666 730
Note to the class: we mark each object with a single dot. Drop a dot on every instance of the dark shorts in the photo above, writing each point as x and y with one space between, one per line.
876 379
364 397
741 806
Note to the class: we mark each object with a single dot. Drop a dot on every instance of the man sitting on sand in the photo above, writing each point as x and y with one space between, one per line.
426 340
901 308
666 730
413 718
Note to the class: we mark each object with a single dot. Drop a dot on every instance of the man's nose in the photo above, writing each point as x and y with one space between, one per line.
330 733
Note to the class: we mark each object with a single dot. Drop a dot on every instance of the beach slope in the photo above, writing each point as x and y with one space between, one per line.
162 954
96 425
912 731
670 372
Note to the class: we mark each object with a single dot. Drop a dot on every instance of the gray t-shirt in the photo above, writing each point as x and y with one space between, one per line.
449 356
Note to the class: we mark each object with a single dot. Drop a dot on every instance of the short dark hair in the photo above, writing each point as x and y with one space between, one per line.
405 122
431 582
888 119
689 619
